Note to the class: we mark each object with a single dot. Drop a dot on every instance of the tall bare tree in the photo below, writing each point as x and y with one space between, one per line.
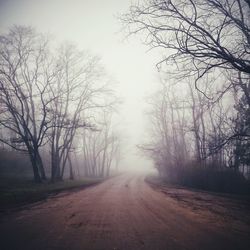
100 147
26 73
75 92
203 34
203 41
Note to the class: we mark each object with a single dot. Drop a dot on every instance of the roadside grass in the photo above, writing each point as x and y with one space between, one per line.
161 182
15 192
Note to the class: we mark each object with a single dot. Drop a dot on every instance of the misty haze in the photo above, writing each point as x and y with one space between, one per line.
125 124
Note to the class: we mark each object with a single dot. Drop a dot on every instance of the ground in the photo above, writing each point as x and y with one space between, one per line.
16 191
125 212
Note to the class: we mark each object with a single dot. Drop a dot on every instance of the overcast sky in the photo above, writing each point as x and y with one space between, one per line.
92 25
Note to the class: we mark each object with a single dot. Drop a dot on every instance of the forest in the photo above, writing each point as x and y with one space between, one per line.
200 115
56 109
57 102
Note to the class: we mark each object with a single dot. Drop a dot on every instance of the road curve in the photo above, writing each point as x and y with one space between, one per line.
123 212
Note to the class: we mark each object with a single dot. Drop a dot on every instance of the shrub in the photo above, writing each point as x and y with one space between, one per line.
209 178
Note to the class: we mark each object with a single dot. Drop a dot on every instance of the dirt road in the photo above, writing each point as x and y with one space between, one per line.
124 212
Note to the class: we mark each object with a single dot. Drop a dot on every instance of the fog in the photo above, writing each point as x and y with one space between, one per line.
124 124
94 26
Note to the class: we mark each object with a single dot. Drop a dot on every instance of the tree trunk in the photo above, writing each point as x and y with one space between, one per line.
71 172
55 166
40 165
37 177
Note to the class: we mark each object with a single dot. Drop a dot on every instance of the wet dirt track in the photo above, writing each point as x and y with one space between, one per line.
123 212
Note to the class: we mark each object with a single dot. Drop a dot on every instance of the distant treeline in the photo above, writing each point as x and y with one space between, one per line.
200 116
56 107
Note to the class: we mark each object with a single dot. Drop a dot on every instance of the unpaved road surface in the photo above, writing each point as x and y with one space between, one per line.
125 212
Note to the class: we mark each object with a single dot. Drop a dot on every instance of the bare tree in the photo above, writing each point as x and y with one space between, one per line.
26 73
100 147
73 93
203 41
169 144
203 34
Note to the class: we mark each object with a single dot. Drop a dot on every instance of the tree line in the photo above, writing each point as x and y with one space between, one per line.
55 99
200 116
